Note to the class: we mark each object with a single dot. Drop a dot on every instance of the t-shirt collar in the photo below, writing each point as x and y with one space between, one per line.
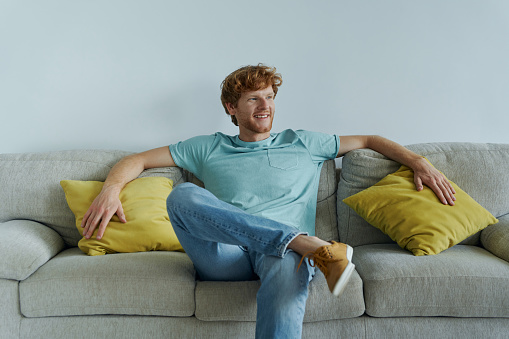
255 144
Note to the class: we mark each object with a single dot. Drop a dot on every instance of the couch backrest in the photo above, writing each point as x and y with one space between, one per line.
481 170
30 187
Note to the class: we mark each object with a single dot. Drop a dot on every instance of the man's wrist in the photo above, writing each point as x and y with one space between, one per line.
417 162
112 188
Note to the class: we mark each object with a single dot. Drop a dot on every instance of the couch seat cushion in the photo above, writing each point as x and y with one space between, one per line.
149 283
236 301
463 281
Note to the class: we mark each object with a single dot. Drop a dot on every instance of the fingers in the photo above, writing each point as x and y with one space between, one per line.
443 190
85 218
448 191
97 217
100 212
120 214
101 219
443 193
102 228
438 183
418 184
92 222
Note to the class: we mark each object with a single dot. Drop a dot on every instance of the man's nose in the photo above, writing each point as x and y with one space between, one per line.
263 103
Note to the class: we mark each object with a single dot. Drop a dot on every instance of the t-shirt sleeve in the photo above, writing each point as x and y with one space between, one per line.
321 146
192 153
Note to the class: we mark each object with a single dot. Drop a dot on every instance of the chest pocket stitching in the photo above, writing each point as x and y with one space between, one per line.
283 158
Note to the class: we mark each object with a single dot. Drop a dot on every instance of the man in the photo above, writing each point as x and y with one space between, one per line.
255 220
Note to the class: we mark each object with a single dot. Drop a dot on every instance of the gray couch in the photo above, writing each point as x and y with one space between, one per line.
50 289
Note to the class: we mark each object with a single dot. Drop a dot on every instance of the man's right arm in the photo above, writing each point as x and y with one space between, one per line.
107 203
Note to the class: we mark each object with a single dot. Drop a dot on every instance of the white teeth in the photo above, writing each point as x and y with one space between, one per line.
262 116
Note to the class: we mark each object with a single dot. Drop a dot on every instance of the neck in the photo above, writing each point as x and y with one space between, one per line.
252 137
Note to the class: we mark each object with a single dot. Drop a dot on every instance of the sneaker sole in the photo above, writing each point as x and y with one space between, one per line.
343 280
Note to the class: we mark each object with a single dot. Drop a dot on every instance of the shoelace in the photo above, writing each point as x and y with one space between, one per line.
320 259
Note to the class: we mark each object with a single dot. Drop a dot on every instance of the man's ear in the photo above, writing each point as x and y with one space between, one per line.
231 108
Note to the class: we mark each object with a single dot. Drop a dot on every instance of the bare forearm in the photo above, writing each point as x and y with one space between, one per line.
126 170
393 151
130 167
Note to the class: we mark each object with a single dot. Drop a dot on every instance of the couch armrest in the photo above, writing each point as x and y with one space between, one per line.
25 246
495 238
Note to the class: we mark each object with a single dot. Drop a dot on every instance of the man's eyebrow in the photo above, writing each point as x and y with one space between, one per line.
255 95
262 95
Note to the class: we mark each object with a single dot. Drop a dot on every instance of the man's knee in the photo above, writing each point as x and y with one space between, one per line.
181 194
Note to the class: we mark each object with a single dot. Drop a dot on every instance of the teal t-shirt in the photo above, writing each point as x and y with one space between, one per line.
276 178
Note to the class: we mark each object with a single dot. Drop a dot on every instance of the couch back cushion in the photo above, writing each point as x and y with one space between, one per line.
30 185
326 226
481 170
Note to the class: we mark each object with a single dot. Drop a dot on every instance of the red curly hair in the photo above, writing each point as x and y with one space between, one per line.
246 79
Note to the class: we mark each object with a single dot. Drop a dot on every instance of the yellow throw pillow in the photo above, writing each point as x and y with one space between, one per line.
148 226
418 221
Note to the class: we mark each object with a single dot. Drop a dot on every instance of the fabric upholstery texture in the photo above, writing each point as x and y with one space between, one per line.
10 318
109 326
148 226
418 221
473 167
219 301
463 281
119 327
37 242
326 223
146 283
436 327
495 238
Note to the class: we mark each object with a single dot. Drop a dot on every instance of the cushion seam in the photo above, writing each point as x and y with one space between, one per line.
421 277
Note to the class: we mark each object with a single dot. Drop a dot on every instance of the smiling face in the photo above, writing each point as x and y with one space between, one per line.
247 95
254 112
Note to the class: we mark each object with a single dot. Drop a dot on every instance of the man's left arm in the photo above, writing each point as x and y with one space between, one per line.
424 173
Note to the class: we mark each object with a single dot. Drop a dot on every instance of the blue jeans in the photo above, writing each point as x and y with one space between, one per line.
228 244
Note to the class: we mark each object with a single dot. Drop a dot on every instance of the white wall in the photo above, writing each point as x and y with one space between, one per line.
134 75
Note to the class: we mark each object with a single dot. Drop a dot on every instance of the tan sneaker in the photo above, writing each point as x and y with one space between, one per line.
335 262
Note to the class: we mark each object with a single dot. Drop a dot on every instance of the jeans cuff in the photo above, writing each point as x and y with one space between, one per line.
283 248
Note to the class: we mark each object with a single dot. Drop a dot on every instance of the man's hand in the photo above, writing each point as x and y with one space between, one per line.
104 206
425 174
